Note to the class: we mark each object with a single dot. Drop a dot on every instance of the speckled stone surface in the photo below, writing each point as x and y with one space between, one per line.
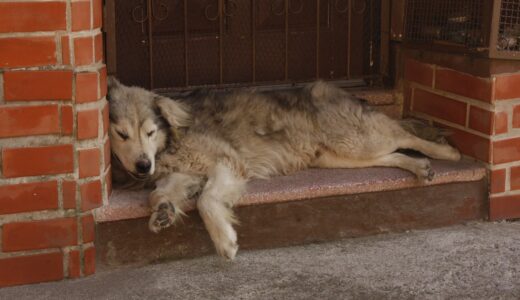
312 183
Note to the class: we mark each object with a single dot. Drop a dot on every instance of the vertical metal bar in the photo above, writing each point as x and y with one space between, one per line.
109 27
150 41
371 28
349 25
286 40
385 37
317 39
221 40
253 34
186 69
495 27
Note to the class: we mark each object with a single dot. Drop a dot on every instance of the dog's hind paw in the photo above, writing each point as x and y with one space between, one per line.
163 218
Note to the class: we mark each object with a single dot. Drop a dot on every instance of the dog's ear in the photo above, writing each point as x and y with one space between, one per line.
177 114
112 82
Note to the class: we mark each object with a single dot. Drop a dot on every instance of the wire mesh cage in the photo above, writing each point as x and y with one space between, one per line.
182 44
488 28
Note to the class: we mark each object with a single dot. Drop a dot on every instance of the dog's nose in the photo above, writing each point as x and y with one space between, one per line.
143 166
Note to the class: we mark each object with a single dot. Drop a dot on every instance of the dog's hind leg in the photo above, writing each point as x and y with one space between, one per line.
419 166
431 149
222 191
171 198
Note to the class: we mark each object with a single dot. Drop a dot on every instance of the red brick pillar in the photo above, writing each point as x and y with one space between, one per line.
54 163
484 116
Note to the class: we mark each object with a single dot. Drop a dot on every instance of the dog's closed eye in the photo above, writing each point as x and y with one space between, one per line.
150 133
124 136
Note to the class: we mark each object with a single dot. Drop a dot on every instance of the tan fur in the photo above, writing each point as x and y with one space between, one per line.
212 143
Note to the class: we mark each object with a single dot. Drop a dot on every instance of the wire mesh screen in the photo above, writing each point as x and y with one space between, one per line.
463 23
179 44
509 27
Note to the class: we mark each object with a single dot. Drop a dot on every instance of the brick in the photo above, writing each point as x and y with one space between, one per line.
514 179
107 153
501 122
29 120
65 50
83 51
481 120
67 120
97 13
69 194
80 15
89 256
89 162
88 124
88 227
506 151
106 119
39 234
27 52
103 82
26 197
498 181
439 107
91 196
74 264
37 85
31 269
32 16
33 161
507 87
504 207
464 84
418 72
469 144
86 87
516 116
98 48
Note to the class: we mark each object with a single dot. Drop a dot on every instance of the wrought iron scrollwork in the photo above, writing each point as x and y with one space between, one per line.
229 9
281 4
141 15
359 6
337 6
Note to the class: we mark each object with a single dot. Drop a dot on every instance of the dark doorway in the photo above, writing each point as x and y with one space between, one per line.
179 44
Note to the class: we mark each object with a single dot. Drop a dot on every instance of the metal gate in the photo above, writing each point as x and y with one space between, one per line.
170 45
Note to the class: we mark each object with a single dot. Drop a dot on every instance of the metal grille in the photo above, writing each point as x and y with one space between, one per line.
462 23
180 44
509 27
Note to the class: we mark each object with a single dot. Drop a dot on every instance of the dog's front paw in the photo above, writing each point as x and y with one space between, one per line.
424 171
227 249
163 218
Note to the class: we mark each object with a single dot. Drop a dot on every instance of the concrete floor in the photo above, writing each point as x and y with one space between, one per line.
474 261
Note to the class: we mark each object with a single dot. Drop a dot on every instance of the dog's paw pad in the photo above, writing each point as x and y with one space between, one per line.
430 175
424 171
163 218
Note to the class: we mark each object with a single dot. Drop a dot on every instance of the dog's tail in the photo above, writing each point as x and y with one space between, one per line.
425 131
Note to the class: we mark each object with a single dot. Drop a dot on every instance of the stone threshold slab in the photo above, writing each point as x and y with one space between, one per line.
307 184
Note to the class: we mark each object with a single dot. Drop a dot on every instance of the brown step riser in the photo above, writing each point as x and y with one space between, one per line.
299 222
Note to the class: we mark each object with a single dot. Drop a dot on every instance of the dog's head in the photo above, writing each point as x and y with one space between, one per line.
140 126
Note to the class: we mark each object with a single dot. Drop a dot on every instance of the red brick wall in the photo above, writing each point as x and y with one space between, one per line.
53 154
484 116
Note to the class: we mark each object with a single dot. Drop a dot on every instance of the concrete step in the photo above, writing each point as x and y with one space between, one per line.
314 205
